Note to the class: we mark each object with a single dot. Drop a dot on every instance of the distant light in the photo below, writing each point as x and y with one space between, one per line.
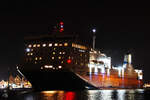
28 50
94 30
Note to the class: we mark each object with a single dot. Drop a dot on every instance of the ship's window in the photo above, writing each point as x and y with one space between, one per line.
60 44
59 66
28 54
59 57
50 44
54 53
53 57
65 44
34 45
38 45
56 44
29 45
40 58
60 52
81 64
44 45
36 58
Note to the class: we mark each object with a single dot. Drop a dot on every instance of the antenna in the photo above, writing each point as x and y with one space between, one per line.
94 37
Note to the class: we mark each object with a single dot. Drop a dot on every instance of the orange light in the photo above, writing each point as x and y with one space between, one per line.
69 61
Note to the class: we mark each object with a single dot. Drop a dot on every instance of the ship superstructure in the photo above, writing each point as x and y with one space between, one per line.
103 75
59 61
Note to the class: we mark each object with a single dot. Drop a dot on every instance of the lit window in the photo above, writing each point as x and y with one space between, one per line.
54 48
29 45
80 54
63 52
60 44
60 52
54 53
65 44
62 62
38 45
31 49
56 44
40 58
36 58
59 66
44 45
28 54
59 57
31 54
53 57
48 66
34 45
50 44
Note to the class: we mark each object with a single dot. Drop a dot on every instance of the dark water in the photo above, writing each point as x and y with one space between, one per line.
122 94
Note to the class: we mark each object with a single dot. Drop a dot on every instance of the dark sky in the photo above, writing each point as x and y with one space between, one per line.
122 26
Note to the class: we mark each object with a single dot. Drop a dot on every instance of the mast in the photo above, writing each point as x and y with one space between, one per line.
94 37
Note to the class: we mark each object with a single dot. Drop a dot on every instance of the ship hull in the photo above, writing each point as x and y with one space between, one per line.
55 80
64 79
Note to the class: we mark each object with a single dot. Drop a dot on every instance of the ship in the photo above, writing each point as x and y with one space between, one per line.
60 61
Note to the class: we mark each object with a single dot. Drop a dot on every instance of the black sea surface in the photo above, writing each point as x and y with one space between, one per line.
119 94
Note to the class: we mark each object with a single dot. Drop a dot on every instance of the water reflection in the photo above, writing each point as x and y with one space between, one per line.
121 94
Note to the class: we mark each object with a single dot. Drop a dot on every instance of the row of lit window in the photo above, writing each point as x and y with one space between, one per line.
59 53
50 45
38 58
79 46
58 57
51 67
29 54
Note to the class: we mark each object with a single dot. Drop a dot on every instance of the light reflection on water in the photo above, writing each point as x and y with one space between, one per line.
121 94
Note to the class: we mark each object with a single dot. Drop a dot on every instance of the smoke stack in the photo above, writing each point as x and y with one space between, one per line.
128 59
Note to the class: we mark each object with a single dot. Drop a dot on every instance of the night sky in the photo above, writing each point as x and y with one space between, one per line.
121 27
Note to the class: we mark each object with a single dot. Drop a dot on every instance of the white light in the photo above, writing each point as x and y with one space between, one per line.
28 50
44 45
46 66
94 30
50 66
59 66
50 44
